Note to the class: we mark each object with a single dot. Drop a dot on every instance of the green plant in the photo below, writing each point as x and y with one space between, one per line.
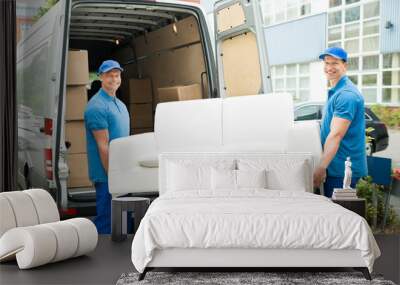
374 195
389 115
368 132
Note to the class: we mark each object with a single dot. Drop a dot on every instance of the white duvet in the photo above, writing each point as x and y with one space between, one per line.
250 219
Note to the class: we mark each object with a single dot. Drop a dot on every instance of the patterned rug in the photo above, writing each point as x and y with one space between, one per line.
243 278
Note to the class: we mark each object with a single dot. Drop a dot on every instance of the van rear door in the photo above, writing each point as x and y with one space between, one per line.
63 9
39 91
240 48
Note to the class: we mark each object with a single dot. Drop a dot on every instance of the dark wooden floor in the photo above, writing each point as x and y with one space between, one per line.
110 260
102 266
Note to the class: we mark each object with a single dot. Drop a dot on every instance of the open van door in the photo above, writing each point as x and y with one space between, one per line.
60 150
40 85
240 48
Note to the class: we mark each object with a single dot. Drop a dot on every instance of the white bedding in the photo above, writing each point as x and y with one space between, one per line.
250 218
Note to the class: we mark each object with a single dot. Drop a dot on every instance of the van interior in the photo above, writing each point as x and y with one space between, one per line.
158 43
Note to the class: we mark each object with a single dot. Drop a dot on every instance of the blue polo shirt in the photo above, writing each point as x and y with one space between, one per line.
345 101
103 112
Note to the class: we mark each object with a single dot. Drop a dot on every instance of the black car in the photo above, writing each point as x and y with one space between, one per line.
379 134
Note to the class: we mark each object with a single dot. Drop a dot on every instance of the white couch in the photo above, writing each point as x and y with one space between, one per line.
31 231
259 123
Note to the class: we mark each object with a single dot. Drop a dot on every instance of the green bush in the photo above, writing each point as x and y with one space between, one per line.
389 115
374 196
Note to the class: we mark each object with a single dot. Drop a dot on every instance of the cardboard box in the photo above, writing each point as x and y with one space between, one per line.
75 134
76 100
141 115
78 170
179 93
77 67
137 131
140 91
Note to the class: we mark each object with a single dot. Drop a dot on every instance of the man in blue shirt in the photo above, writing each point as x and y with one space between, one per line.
106 118
342 126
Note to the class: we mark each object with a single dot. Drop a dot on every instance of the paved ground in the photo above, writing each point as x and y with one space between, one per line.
393 150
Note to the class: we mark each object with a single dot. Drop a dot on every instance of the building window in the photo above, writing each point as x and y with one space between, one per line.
352 14
335 3
335 18
354 25
351 1
371 10
391 78
293 79
371 62
284 10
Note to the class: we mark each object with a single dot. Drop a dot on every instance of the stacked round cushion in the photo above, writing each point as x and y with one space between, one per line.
31 231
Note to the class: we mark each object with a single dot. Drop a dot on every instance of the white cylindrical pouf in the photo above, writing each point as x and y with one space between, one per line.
23 207
87 234
45 205
33 246
67 239
7 218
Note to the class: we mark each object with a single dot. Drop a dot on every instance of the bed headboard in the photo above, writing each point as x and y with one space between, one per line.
282 160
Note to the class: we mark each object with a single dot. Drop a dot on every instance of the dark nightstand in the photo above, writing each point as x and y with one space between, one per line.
356 205
119 208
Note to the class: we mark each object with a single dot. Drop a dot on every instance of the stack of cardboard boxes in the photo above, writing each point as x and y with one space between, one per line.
76 100
141 105
179 93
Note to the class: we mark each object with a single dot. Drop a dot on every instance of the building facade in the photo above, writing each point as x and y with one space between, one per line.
368 29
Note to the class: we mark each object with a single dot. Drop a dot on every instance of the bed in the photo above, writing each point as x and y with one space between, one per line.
247 210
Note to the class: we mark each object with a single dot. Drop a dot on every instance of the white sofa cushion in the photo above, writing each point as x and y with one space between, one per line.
305 136
251 122
193 125
125 174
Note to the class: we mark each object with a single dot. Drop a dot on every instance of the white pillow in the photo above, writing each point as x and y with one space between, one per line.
185 177
223 179
186 174
293 179
236 179
282 174
251 178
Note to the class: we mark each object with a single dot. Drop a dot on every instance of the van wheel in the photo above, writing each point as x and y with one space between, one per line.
27 176
369 148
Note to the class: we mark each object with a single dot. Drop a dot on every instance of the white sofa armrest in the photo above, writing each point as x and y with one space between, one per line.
125 174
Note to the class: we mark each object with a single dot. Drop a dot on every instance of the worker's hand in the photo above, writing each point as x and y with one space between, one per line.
319 176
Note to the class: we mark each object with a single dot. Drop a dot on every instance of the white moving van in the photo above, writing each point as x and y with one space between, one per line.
169 43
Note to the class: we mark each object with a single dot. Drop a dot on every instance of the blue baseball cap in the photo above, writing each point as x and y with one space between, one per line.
108 65
337 52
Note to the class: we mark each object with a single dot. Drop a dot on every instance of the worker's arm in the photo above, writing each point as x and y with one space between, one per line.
338 129
102 140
